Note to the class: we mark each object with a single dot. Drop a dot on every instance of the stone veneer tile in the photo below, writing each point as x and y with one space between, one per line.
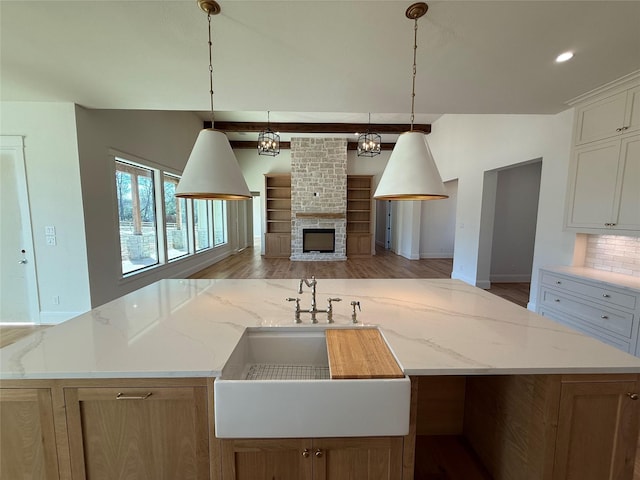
318 185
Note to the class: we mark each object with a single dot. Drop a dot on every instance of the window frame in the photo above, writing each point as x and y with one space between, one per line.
159 174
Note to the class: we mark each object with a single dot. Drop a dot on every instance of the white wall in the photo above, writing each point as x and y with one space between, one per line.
164 138
438 224
514 227
466 146
53 177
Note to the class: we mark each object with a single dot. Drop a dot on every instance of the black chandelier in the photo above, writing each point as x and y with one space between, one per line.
369 143
268 141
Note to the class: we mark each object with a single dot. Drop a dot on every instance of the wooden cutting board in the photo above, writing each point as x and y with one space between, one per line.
360 353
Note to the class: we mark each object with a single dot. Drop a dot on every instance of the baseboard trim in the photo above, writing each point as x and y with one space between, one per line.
511 278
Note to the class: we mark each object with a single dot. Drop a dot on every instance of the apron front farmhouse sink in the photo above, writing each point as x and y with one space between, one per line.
277 383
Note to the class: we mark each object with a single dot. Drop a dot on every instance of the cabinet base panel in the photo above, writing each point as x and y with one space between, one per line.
447 457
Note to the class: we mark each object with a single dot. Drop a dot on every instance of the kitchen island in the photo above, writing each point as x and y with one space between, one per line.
521 390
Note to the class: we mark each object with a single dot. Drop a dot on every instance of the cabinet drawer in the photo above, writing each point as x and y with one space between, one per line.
584 328
607 319
596 293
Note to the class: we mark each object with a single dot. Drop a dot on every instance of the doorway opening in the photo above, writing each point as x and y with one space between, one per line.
508 224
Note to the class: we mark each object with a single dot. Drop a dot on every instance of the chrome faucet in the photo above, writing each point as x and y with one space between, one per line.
311 284
314 306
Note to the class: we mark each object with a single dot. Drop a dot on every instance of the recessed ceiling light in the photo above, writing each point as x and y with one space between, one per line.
563 57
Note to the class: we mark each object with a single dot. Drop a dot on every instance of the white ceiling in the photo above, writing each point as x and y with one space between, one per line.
321 60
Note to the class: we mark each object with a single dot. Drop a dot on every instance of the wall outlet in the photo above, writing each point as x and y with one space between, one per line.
51 230
51 240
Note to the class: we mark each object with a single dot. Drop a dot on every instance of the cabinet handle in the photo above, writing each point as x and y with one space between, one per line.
633 396
619 129
305 453
319 453
604 317
606 295
558 282
557 300
626 127
122 396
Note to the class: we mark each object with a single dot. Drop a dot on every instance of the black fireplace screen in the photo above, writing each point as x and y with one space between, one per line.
321 240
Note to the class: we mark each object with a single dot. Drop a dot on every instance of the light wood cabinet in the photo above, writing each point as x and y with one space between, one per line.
375 458
138 433
278 215
359 215
528 427
597 430
27 437
608 117
604 188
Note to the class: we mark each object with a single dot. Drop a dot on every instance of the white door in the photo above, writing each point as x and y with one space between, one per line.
18 291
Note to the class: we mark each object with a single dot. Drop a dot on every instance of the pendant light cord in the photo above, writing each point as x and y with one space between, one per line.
210 69
413 86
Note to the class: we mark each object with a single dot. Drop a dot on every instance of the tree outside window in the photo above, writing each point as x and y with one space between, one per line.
175 220
136 217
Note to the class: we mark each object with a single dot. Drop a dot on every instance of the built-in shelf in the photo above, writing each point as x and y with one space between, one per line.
278 215
359 215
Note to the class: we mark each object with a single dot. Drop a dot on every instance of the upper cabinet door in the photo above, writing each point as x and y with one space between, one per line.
601 119
593 182
628 217
611 116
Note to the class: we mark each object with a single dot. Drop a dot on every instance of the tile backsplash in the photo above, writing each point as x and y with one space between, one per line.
613 253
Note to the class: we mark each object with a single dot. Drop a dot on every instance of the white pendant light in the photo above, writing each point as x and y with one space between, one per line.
411 173
212 171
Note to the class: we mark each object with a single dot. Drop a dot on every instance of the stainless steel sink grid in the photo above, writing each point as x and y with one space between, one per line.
287 372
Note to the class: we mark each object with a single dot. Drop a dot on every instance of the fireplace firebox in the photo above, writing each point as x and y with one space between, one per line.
321 240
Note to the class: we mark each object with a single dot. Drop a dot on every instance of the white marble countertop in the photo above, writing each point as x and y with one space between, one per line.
618 280
188 328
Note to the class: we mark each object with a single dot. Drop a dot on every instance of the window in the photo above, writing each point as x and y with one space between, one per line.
201 223
136 216
176 221
219 222
155 227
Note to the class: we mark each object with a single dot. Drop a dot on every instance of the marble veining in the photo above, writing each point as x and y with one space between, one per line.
188 328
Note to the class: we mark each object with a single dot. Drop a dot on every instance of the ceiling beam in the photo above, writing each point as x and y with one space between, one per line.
381 128
287 145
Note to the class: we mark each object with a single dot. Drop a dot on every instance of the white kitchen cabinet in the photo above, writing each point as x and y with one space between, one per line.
608 117
604 187
600 310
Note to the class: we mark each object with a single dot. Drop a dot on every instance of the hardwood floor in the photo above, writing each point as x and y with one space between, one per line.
385 264
250 264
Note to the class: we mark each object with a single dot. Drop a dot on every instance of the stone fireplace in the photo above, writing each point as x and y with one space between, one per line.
318 194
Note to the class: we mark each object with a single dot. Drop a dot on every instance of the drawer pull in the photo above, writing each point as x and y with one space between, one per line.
557 300
604 317
305 453
122 396
319 452
558 282
606 295
633 396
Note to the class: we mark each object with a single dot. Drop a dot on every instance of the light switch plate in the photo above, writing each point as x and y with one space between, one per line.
50 230
51 240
